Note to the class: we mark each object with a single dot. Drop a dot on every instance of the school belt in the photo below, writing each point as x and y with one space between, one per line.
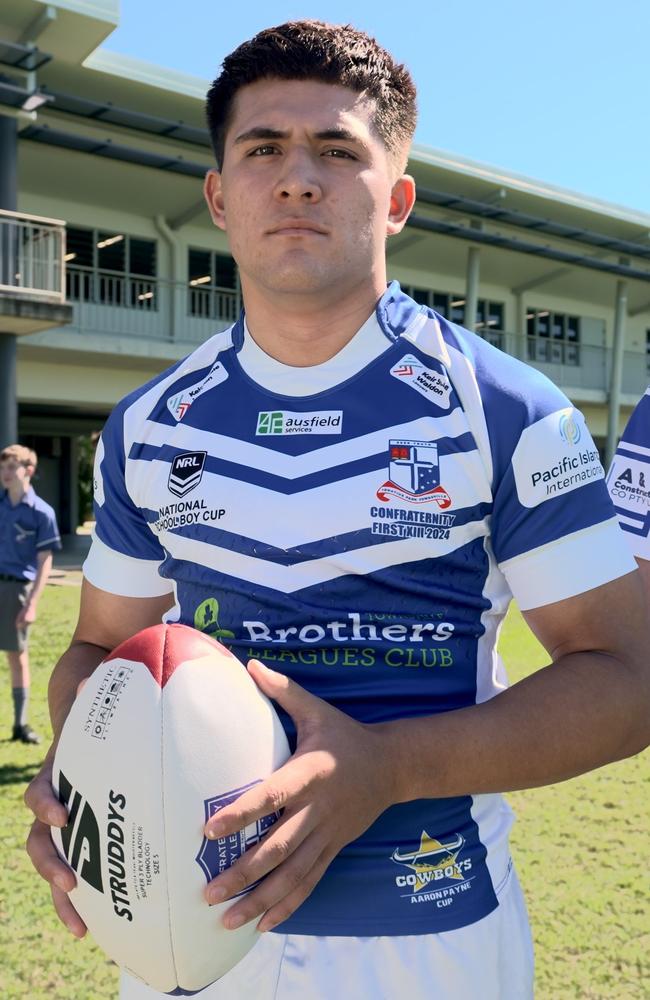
5 578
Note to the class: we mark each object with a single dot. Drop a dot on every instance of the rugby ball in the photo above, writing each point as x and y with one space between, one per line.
167 731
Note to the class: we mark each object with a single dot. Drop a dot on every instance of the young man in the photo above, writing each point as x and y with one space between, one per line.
362 487
628 481
28 536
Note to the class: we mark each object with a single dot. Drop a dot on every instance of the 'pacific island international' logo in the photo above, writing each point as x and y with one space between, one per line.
414 474
186 471
431 862
216 856
569 428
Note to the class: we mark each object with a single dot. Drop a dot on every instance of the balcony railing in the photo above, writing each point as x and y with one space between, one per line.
32 257
137 307
574 366
129 305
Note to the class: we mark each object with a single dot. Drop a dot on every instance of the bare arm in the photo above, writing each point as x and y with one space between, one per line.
105 620
644 570
591 705
27 614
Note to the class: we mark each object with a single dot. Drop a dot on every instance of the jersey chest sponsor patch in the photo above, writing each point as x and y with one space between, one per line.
180 402
429 383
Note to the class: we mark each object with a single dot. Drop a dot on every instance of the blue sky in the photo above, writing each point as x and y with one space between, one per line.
558 90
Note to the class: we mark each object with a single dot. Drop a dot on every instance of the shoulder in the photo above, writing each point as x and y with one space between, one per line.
43 508
519 407
637 430
503 379
133 410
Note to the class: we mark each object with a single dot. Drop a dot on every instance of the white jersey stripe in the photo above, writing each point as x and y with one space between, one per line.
289 579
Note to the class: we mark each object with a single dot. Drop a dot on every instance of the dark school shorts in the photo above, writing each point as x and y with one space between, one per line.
13 596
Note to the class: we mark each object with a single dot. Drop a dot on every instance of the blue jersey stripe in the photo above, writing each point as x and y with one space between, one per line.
318 548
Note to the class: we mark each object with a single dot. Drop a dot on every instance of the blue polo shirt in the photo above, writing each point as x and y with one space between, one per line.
26 529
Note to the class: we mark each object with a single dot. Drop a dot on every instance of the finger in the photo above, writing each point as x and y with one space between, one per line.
67 913
43 855
293 698
283 890
274 849
40 798
268 797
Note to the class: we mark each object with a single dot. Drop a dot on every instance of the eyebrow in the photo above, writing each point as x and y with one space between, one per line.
261 132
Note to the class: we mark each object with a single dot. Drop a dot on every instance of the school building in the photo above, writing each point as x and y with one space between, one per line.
110 268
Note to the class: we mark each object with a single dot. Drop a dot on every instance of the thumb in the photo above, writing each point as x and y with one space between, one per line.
293 698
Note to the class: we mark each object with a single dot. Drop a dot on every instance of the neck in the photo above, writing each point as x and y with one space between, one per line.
307 330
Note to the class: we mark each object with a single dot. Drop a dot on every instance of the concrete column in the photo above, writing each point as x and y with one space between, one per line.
178 291
8 259
471 290
520 346
8 163
8 407
616 375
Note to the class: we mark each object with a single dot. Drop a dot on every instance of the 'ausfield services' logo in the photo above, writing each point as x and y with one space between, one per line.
284 422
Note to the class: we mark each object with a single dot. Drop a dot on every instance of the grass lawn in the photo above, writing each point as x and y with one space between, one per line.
581 848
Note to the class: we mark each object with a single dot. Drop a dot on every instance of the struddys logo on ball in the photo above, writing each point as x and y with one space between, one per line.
569 429
216 856
414 474
435 871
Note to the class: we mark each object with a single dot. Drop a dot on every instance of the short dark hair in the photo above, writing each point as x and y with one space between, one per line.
331 53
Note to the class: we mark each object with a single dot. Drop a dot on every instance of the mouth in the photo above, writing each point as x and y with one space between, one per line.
297 227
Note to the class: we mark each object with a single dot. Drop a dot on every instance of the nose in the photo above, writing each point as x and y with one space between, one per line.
298 180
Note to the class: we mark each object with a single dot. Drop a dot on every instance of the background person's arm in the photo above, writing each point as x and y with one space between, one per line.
27 614
105 620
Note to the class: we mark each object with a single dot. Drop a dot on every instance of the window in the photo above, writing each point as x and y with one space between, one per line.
213 285
112 269
553 337
489 315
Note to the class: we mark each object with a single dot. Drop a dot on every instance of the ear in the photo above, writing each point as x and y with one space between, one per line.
402 199
213 191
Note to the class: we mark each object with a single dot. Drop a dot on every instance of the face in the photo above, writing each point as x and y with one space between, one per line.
12 472
307 192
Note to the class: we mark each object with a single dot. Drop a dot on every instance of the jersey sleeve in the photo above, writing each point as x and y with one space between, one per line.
554 530
47 534
628 480
125 556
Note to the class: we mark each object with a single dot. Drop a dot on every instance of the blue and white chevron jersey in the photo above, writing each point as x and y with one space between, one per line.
365 539
628 479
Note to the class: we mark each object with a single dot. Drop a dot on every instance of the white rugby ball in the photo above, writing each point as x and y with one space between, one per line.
168 730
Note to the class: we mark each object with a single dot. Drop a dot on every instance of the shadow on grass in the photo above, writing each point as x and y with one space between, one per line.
18 774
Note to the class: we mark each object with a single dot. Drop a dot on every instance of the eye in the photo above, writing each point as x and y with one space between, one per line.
342 154
263 151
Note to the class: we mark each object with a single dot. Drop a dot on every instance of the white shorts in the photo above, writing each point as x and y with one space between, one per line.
491 959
